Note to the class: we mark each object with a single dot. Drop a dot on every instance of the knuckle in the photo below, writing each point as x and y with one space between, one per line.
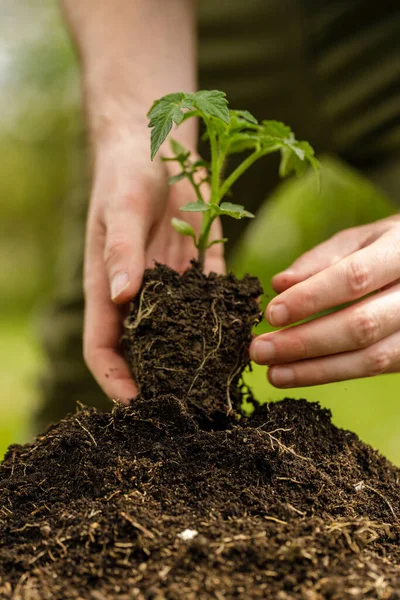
300 347
358 277
308 301
114 250
364 328
378 360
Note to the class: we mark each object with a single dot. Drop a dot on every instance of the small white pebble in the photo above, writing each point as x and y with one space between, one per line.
359 486
187 534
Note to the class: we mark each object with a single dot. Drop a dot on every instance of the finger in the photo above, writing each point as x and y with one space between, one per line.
324 255
357 326
102 325
383 357
351 278
124 253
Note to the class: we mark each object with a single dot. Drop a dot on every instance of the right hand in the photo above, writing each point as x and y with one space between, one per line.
128 228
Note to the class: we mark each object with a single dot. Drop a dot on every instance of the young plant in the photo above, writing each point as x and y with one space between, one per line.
229 132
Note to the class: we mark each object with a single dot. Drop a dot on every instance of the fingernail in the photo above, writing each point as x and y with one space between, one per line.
262 351
278 315
282 376
119 284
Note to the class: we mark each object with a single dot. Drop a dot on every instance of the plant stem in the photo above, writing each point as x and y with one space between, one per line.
202 245
208 217
241 169
196 188
214 161
201 259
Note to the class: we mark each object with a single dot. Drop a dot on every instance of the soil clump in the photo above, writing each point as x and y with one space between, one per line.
188 335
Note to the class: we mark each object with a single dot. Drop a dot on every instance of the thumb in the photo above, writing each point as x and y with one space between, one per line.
124 255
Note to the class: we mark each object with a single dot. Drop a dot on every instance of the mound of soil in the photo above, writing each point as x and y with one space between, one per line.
143 504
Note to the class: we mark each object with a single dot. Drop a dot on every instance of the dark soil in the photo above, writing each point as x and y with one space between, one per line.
285 506
188 335
177 498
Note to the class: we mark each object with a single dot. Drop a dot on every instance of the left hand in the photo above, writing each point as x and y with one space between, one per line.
359 265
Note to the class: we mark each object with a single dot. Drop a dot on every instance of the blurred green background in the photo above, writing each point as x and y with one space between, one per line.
40 125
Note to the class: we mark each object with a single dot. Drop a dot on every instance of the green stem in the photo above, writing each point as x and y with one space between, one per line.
208 217
214 161
202 244
238 172
196 188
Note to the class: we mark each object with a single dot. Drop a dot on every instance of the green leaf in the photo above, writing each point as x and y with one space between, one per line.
195 207
183 227
212 103
162 115
237 211
221 241
172 109
291 163
296 156
241 141
276 129
176 178
177 148
244 115
200 163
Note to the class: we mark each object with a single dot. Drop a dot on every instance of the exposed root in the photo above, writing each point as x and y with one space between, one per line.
236 371
368 487
281 445
216 330
138 526
87 431
143 312
359 534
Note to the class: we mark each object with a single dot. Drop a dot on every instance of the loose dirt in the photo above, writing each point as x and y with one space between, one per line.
143 504
177 498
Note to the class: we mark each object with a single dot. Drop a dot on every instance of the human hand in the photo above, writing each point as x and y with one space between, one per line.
128 228
359 265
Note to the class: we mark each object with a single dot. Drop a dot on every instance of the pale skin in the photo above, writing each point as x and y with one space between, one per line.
128 50
133 51
360 266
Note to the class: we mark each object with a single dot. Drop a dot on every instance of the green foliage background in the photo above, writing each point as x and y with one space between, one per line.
40 123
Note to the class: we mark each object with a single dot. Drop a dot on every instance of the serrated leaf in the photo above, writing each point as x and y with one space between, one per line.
244 114
177 115
177 148
296 156
237 211
269 143
183 227
212 103
176 178
162 115
170 109
276 129
241 141
291 163
195 207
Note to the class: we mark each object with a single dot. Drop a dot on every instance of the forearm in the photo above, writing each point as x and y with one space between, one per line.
132 52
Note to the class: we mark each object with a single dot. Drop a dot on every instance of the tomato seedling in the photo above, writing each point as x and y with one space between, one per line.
229 132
